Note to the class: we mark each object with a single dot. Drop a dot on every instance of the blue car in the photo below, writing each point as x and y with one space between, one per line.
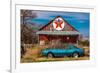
70 51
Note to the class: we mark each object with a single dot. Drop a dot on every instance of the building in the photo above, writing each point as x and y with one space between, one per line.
58 29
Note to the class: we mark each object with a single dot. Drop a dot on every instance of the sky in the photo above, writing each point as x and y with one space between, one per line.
79 20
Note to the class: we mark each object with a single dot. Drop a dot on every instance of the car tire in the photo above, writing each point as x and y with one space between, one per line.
75 55
50 55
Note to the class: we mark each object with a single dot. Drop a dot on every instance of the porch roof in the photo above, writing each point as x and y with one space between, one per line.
58 32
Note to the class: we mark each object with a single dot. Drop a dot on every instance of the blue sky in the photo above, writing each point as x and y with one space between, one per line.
79 20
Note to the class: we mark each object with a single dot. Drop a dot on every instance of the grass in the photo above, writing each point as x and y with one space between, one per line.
44 59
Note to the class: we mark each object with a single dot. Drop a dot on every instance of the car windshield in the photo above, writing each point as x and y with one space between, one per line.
71 46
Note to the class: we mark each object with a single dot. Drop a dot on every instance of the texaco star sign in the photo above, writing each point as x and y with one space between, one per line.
58 24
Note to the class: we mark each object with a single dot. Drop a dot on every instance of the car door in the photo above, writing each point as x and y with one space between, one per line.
69 50
60 52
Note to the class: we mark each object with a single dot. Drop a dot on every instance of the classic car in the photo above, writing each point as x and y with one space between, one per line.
70 51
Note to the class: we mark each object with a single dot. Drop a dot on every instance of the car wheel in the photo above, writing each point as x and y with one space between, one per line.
75 55
50 55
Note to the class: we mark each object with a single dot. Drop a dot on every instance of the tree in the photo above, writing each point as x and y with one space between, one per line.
26 15
28 35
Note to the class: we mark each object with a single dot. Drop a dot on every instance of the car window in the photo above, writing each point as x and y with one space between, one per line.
68 47
71 46
74 46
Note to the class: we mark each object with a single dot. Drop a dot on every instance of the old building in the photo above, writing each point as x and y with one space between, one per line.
58 29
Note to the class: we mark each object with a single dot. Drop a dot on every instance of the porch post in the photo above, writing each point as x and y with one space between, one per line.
38 39
78 40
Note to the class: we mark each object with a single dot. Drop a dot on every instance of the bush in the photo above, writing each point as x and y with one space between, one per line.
84 43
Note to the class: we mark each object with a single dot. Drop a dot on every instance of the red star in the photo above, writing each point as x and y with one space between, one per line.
58 23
